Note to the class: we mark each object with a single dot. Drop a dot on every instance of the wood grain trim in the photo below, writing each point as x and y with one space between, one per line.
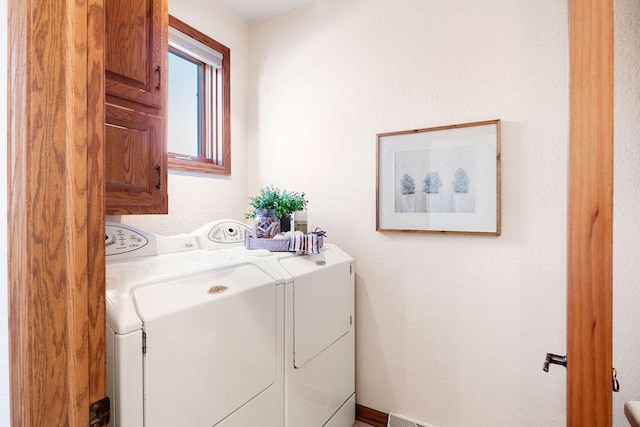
589 325
50 193
18 268
96 200
371 416
164 58
437 128
197 165
226 114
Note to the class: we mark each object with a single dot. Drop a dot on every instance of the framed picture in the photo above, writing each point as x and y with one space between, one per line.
441 180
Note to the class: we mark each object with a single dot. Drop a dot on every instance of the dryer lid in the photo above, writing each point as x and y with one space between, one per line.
322 301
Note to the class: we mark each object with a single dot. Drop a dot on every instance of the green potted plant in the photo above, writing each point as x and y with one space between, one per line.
284 203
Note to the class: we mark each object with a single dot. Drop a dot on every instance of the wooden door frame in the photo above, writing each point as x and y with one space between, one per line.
590 241
56 210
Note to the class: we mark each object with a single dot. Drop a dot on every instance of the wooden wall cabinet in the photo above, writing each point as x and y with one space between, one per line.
136 101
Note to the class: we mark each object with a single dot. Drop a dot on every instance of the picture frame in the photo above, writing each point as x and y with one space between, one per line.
442 179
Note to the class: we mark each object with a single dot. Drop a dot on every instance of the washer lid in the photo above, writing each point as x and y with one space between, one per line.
124 276
211 344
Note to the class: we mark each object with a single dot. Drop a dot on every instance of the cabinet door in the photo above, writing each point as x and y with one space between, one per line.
135 50
136 99
136 162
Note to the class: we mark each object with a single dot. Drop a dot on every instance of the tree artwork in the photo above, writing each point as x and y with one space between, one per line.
460 181
407 185
432 183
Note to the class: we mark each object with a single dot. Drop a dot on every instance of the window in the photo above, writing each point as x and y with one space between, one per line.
198 124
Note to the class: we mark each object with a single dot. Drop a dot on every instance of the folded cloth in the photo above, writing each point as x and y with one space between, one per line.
307 243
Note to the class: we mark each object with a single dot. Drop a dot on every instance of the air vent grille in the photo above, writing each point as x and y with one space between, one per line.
396 420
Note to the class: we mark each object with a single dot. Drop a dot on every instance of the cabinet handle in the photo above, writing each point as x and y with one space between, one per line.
159 71
159 184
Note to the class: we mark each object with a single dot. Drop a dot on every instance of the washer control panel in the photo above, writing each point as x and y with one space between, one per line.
227 232
125 242
221 234
119 240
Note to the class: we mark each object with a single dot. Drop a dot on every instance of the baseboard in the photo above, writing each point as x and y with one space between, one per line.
371 416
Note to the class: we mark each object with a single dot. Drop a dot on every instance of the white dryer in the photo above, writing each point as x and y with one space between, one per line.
192 339
319 330
319 338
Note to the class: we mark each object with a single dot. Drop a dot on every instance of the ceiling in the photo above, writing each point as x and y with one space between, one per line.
253 10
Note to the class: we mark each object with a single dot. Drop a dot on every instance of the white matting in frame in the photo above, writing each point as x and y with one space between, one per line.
442 180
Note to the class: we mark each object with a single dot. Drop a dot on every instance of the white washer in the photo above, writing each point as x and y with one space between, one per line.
319 331
193 339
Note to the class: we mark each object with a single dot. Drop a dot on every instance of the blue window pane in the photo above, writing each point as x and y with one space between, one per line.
184 106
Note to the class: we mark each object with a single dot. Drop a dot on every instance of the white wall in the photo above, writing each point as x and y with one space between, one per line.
4 309
451 330
626 227
196 199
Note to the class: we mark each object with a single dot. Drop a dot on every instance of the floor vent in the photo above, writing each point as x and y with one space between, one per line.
396 420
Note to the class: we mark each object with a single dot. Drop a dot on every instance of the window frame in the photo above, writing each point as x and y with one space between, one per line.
217 153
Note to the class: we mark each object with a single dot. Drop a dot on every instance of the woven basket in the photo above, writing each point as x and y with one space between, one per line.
272 245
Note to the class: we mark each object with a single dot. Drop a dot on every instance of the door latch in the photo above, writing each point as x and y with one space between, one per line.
554 359
99 413
614 381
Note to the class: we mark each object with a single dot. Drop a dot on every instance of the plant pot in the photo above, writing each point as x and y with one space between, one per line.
408 203
285 223
433 202
463 203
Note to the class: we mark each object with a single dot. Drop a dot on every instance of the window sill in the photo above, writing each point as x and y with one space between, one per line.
198 165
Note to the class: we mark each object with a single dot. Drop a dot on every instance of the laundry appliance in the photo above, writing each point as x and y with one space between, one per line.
194 337
319 351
